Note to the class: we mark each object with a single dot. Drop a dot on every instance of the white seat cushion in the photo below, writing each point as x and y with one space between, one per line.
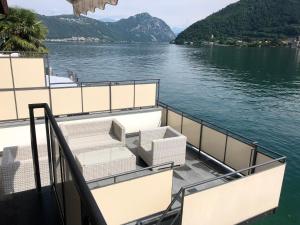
95 141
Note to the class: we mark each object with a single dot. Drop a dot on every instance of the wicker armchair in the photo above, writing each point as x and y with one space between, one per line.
160 145
85 136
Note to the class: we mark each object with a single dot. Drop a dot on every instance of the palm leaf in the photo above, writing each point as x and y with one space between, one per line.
22 31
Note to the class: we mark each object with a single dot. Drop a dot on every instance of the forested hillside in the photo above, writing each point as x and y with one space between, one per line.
247 19
139 28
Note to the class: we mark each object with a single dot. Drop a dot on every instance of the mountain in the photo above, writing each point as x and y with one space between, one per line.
177 30
139 28
247 19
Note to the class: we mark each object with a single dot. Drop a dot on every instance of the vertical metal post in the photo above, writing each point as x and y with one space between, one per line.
53 153
134 94
49 149
46 64
35 155
181 128
14 86
49 82
62 172
254 157
158 90
81 91
167 115
225 151
110 107
182 202
200 139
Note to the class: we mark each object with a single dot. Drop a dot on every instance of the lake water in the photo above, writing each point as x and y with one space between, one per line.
252 91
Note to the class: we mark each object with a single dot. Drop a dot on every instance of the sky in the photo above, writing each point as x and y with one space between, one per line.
176 13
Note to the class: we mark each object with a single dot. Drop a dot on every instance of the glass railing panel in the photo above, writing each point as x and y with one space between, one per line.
95 99
145 95
28 72
122 96
263 158
8 106
128 200
72 199
192 130
66 101
238 154
174 120
245 198
57 173
213 143
25 97
6 80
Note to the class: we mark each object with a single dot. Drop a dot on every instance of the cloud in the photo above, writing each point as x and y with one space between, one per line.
175 13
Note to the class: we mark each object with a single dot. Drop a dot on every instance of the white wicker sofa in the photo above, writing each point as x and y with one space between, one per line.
85 136
160 145
17 172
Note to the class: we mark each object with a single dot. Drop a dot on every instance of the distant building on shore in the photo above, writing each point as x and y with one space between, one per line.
293 42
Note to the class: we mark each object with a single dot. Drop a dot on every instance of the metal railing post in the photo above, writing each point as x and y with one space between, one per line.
182 204
158 90
254 157
181 128
62 173
14 86
110 106
81 91
200 139
133 93
225 150
35 155
49 149
167 115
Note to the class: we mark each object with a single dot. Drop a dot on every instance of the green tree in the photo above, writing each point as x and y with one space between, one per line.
22 31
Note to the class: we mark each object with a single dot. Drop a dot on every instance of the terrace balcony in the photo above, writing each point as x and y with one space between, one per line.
219 165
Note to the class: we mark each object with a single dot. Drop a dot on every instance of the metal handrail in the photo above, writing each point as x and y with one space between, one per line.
23 54
202 121
232 173
133 171
113 82
181 191
79 181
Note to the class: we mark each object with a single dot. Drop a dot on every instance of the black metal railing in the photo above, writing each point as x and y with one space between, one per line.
82 85
223 180
110 84
22 54
255 147
273 157
74 198
114 178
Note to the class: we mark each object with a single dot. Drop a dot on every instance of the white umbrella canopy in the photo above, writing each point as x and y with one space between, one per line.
83 6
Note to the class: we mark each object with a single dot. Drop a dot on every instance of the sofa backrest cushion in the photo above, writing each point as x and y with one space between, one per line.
22 153
86 128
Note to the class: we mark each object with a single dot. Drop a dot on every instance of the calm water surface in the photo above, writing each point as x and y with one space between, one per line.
252 91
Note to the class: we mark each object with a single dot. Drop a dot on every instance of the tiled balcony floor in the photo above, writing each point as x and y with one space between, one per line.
197 168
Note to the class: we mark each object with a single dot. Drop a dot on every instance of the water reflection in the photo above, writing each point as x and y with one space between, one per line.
253 65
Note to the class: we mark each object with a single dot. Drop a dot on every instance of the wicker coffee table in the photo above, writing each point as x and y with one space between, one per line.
105 162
